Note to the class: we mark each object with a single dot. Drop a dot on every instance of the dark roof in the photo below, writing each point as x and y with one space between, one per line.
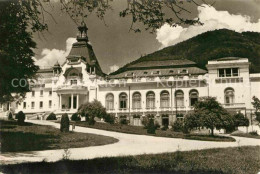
162 72
149 64
229 58
83 49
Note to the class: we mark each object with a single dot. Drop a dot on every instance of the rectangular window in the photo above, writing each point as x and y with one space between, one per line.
228 72
50 103
73 82
24 105
33 93
50 93
41 104
41 93
32 105
235 72
221 72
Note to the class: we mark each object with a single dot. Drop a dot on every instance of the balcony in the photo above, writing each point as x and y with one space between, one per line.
234 105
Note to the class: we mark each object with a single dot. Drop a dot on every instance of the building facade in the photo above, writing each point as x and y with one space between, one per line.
165 90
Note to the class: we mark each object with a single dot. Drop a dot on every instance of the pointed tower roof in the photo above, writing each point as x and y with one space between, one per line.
82 49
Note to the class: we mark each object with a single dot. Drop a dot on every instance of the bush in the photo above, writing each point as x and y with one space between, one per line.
10 116
123 121
178 126
20 118
64 123
52 116
151 127
257 116
254 133
109 118
240 120
157 125
75 117
164 128
91 121
145 122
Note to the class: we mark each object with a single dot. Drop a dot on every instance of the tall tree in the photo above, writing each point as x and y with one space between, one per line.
16 45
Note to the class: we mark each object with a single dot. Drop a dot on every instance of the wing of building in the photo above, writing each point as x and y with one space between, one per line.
164 90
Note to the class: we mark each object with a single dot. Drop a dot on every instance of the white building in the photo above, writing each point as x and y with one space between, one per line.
161 89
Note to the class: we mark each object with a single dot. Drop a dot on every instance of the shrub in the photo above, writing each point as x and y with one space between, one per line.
123 121
64 123
109 118
10 116
91 121
151 127
254 133
145 122
157 125
240 120
20 118
177 126
52 116
75 117
164 128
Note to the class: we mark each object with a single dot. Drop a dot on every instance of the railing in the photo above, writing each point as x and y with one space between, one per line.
233 105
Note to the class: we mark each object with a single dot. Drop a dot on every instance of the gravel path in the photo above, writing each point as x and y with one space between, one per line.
128 144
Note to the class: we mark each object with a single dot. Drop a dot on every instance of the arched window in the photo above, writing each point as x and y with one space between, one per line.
136 100
179 95
74 73
229 96
165 99
123 101
110 101
194 96
150 100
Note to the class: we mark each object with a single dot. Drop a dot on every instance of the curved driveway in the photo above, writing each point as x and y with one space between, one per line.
128 144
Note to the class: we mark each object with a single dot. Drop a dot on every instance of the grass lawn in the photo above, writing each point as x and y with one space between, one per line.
247 135
160 133
31 137
242 160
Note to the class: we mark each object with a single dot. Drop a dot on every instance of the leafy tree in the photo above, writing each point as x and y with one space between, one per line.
16 47
20 118
177 126
93 109
52 116
211 115
65 123
192 120
75 117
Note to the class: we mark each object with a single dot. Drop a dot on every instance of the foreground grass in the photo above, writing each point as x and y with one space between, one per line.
31 137
242 160
159 133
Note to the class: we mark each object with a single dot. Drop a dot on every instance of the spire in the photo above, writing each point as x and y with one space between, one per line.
82 33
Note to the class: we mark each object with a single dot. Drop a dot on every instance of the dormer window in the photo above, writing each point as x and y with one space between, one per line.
145 73
130 74
156 72
183 71
171 71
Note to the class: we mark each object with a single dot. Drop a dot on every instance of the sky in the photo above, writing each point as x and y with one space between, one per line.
115 46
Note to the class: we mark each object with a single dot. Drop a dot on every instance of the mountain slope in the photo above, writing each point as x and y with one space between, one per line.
208 46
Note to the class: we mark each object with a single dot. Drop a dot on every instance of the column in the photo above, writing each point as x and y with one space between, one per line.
71 107
60 102
77 101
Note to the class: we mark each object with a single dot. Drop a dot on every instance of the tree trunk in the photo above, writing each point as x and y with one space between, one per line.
212 131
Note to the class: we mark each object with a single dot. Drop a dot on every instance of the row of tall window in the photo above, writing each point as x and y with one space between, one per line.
150 100
41 93
40 104
229 96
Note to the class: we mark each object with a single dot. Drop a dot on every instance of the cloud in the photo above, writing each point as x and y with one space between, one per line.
113 68
212 20
50 57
